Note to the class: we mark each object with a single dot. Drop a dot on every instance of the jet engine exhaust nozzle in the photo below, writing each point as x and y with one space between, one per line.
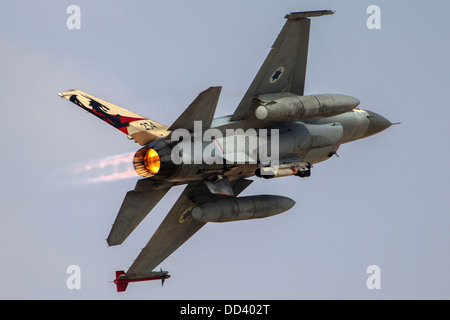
155 160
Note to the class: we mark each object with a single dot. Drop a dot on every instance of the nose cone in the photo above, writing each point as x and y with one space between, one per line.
377 124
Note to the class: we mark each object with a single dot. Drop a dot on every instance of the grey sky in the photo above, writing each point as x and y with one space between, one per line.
384 201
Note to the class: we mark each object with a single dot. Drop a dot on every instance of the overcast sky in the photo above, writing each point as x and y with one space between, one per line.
384 201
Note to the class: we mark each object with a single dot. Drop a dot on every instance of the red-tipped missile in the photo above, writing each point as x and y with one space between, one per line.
122 279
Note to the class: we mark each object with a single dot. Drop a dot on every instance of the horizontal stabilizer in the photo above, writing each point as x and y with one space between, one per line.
135 207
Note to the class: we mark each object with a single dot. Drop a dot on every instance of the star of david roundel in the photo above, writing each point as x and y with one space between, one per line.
276 75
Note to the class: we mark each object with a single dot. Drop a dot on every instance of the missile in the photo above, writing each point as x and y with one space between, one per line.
241 208
122 279
289 107
299 168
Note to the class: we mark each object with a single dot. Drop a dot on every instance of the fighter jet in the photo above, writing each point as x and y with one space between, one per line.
215 157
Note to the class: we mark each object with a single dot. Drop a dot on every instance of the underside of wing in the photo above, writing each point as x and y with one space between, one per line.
136 205
284 69
177 227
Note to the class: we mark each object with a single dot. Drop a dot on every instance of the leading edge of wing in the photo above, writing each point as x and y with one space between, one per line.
177 227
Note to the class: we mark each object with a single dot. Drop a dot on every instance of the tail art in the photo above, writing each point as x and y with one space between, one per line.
136 127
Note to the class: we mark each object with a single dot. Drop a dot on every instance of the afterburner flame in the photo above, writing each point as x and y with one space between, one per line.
152 161
146 162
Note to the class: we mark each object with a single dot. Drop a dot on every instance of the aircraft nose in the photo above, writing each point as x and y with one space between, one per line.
377 124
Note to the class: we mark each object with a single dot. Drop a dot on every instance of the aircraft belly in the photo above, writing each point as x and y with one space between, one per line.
320 154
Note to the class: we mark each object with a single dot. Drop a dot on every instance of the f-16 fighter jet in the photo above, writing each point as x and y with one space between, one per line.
275 131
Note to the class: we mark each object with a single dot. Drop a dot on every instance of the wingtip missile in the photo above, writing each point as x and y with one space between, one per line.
308 14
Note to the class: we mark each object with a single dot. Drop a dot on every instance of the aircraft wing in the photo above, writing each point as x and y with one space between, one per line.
177 227
284 69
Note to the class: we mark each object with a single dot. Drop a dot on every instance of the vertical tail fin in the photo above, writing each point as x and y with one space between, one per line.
137 127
